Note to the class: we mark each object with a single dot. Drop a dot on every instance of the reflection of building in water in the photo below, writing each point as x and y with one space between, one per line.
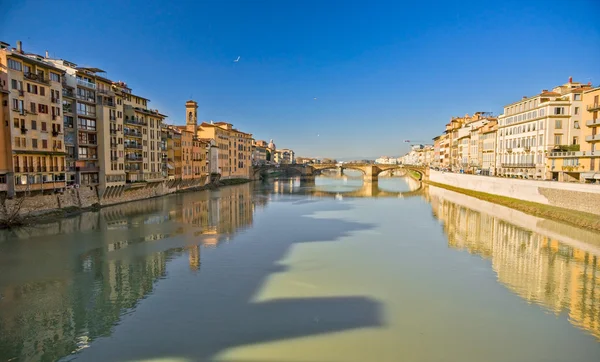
542 270
224 214
194 257
50 319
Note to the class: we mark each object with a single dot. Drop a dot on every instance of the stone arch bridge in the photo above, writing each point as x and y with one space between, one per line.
370 171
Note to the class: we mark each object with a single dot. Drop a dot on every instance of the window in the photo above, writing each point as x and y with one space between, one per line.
577 97
575 140
42 91
559 110
44 144
576 110
34 143
13 64
44 126
54 77
541 140
557 139
33 107
33 125
43 108
558 124
576 124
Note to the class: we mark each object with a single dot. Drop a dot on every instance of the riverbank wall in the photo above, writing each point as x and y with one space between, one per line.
571 196
85 198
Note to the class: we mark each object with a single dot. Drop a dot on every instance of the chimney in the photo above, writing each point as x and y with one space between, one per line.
524 97
590 84
19 47
544 90
47 55
570 79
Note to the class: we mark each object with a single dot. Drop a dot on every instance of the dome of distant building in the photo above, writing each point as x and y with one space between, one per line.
271 145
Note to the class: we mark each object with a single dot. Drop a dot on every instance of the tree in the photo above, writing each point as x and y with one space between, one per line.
10 212
268 155
328 160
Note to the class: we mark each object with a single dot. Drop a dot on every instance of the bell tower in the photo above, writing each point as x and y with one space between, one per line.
191 116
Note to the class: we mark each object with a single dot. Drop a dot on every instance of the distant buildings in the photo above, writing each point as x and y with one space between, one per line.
549 136
386 160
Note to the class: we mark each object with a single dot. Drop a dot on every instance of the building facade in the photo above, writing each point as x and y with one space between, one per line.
530 129
33 149
234 148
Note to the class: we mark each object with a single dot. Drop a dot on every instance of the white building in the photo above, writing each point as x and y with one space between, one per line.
385 160
532 127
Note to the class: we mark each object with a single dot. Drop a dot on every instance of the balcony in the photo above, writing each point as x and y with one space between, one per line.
593 107
134 158
136 122
509 150
114 158
81 112
68 93
593 122
106 91
85 83
112 118
21 93
88 143
36 78
131 133
518 165
23 130
527 148
560 154
86 98
592 138
108 104
133 146
67 109
113 144
89 168
55 100
55 133
88 157
113 131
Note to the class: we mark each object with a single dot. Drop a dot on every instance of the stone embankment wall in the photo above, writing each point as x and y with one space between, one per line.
85 197
580 197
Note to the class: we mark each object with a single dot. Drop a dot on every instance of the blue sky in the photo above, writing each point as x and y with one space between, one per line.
382 72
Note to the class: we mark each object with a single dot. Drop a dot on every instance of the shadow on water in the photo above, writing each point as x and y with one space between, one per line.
66 285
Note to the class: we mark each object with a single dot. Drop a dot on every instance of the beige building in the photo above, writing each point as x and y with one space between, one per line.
259 154
487 148
143 160
581 165
532 128
283 156
33 149
234 148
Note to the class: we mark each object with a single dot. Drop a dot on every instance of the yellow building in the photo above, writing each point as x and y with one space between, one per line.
143 155
590 135
234 148
33 151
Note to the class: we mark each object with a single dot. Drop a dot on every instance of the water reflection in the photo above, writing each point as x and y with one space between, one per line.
542 267
339 186
57 293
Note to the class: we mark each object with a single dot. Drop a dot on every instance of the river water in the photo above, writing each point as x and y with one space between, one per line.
290 270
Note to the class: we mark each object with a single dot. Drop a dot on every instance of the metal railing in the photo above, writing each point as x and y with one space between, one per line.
518 165
68 93
593 107
134 146
136 121
85 83
36 78
132 133
86 113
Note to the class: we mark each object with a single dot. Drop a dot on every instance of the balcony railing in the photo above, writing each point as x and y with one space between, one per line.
113 144
518 165
593 107
592 138
105 91
88 142
86 98
55 100
112 118
114 158
593 122
85 83
113 131
21 93
574 154
67 109
86 113
88 157
68 93
37 78
88 169
109 104
132 133
133 146
136 121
